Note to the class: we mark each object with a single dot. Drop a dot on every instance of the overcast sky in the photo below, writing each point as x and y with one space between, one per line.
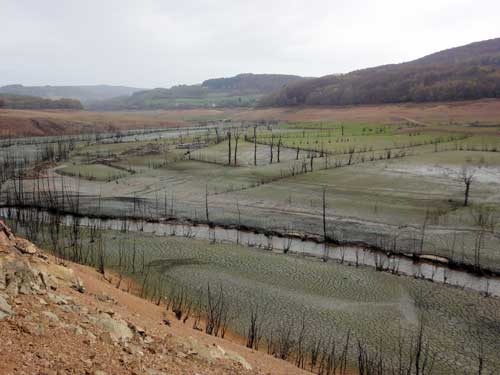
159 43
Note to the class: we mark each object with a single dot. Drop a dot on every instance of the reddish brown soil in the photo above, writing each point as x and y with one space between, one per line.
455 116
481 111
27 123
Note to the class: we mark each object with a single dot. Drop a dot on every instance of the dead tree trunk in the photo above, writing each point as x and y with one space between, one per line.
422 236
324 215
100 247
206 203
467 176
229 147
271 145
255 145
236 138
279 148
239 222
467 190
325 236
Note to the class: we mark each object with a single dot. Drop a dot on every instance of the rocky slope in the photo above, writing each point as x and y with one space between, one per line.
66 319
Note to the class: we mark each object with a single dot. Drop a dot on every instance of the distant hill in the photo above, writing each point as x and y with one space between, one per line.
33 102
242 90
252 83
462 73
85 94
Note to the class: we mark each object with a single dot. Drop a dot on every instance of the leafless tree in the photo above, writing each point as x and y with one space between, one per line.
279 149
101 255
325 236
206 203
271 145
484 219
314 352
236 139
300 347
217 137
217 313
422 233
239 221
351 153
467 177
180 303
255 329
255 145
229 147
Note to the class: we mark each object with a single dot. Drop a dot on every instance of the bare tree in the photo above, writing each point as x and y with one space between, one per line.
180 303
229 147
236 139
351 153
279 148
325 235
217 313
422 233
239 221
255 145
477 342
467 176
100 248
217 138
484 218
271 149
254 333
206 203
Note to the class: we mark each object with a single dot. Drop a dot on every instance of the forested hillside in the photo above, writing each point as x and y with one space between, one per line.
32 102
462 73
84 94
243 90
252 83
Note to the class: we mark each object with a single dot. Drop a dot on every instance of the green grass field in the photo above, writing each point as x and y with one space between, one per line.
209 101
370 195
96 172
344 138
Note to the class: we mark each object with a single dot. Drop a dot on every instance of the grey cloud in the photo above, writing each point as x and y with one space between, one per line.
155 43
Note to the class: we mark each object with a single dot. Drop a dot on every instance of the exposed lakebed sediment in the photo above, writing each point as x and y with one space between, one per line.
425 266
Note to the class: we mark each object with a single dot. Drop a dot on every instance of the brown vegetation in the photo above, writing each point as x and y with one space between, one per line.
28 123
34 102
473 117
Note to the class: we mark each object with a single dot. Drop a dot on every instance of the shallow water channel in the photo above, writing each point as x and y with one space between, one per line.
396 264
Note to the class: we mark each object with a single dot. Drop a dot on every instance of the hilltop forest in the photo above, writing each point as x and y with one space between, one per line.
464 73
